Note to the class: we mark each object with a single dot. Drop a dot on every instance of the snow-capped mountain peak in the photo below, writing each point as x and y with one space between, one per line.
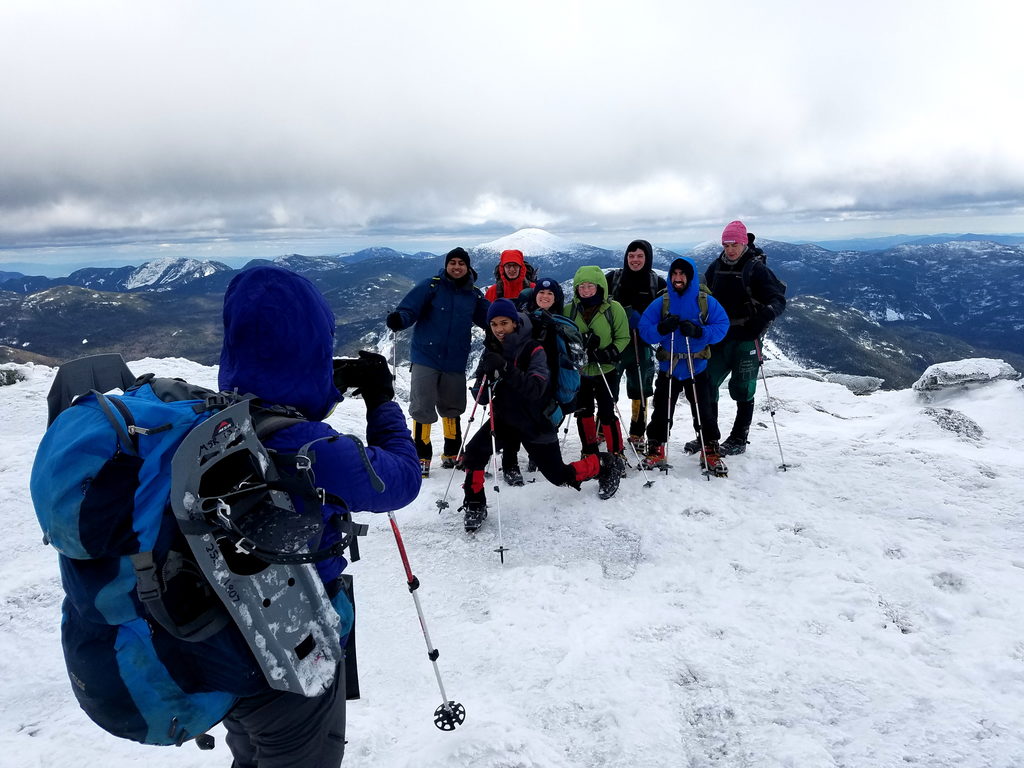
532 242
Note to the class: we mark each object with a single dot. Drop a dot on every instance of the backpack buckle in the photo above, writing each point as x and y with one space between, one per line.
219 400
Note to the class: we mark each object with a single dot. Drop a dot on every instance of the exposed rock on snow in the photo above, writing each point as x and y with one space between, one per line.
956 422
970 371
859 385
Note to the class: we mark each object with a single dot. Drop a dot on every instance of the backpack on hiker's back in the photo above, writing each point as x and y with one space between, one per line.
180 552
563 345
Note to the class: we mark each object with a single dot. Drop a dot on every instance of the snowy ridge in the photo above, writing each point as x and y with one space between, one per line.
861 609
165 274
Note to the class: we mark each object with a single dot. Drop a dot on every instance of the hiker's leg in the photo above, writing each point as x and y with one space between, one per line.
277 729
548 458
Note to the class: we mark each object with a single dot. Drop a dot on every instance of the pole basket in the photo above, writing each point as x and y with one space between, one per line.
450 716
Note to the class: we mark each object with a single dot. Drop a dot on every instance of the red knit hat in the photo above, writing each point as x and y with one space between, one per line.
734 232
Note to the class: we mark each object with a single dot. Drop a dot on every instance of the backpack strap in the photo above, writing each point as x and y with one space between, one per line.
613 287
150 586
702 302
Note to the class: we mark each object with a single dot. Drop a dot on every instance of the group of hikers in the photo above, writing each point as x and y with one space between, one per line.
156 644
696 332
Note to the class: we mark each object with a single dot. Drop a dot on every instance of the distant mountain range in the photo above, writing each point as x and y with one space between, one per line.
887 313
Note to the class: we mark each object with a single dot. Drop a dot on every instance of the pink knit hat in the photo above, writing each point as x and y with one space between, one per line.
734 232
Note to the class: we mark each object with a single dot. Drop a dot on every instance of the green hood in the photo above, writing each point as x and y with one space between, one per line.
591 274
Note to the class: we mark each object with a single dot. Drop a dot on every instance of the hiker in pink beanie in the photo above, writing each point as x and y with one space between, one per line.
752 297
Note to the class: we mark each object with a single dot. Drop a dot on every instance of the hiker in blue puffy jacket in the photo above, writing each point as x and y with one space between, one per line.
444 310
279 346
683 320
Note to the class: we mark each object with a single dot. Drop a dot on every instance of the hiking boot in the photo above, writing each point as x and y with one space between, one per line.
655 457
639 443
424 467
692 447
733 446
609 476
623 464
451 462
513 476
475 514
711 460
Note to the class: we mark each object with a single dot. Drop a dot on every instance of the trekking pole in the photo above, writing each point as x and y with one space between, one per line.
565 432
668 394
640 375
442 503
647 480
696 408
450 714
394 353
771 406
494 465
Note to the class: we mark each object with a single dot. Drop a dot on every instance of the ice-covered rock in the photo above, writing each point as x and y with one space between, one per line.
859 385
958 372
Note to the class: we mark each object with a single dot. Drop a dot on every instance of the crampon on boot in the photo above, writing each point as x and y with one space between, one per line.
639 442
692 447
475 514
513 476
733 445
711 460
655 458
609 476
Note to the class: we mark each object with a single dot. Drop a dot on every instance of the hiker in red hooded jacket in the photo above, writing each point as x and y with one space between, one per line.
512 278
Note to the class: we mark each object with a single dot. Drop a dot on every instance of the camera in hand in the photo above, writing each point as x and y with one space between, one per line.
367 375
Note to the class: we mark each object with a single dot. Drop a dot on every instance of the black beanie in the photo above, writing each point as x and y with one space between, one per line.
458 253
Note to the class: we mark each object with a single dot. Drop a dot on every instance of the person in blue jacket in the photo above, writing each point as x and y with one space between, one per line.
279 346
444 310
684 322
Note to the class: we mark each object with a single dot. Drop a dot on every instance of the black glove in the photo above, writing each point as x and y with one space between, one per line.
761 319
668 324
691 329
394 321
592 343
482 397
492 364
609 354
368 375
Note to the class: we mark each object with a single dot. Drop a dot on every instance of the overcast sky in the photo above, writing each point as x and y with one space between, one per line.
445 122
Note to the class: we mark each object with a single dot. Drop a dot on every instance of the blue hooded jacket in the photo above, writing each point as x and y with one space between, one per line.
686 307
279 346
444 313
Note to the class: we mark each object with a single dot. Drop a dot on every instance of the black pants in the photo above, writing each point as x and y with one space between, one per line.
545 454
698 394
287 730
593 388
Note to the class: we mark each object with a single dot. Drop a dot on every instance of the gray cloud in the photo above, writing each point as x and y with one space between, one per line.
260 119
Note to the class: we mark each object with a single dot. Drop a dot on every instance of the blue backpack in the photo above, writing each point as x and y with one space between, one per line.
149 642
563 344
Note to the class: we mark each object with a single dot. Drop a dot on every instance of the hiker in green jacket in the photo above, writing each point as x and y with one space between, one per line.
605 329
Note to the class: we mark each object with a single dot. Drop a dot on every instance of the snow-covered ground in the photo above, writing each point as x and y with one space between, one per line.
861 609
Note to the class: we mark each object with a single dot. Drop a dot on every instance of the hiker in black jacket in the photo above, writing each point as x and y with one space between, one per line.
514 372
752 297
635 286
